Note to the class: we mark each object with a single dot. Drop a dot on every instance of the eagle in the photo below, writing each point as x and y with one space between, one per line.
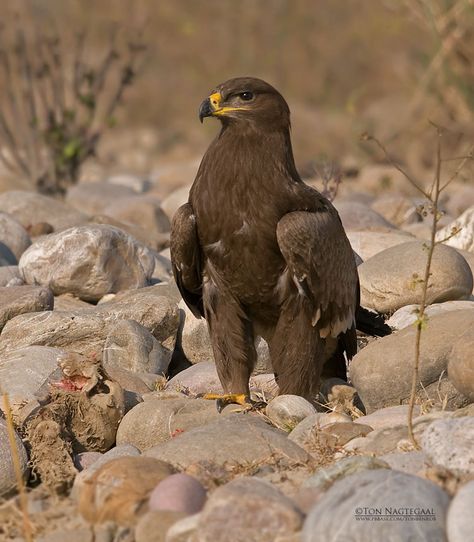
259 253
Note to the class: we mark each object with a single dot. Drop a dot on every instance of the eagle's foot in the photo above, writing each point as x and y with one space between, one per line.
222 400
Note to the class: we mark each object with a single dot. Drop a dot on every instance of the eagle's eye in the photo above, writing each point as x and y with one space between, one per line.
246 96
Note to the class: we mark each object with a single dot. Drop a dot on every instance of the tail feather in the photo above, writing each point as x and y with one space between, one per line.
371 323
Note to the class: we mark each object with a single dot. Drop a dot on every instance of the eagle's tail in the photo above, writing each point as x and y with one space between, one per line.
371 323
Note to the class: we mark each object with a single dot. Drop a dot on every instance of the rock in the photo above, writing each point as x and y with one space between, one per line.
152 241
13 235
287 411
464 226
10 276
249 509
388 417
197 379
421 230
372 370
88 261
459 522
144 211
84 460
194 336
379 442
184 529
165 419
325 477
131 346
178 493
357 216
196 344
68 302
7 472
7 258
174 200
375 494
305 433
449 444
118 491
86 330
408 462
369 243
461 197
407 316
31 208
163 270
469 257
24 371
461 364
390 279
235 439
337 434
23 299
93 198
121 450
154 525
396 209
137 184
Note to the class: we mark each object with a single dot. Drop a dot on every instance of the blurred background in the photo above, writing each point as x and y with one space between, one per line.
346 67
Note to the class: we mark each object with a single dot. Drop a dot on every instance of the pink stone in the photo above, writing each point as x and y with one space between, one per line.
179 493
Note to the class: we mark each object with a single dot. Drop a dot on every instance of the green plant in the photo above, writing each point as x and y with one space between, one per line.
57 101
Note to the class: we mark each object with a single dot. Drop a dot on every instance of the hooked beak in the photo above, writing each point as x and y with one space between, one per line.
210 106
205 109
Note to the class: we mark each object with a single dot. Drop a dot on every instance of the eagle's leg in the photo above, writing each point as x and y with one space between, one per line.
232 343
297 351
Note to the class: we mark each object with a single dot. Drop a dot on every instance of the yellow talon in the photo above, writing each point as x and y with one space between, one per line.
228 398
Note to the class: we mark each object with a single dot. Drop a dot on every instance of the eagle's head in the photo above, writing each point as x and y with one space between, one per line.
246 100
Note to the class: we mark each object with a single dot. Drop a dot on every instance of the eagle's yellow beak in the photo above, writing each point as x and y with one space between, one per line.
212 107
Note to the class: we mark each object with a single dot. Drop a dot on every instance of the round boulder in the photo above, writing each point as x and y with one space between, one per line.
88 261
393 278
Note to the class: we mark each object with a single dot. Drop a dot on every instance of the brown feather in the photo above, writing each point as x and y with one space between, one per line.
265 254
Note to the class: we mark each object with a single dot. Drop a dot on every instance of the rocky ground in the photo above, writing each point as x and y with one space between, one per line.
104 367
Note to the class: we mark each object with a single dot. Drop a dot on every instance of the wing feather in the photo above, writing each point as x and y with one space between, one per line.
320 258
186 258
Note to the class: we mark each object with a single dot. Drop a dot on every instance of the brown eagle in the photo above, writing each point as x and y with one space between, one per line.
257 252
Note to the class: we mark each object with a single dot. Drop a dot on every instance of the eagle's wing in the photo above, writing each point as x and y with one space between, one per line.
321 263
186 258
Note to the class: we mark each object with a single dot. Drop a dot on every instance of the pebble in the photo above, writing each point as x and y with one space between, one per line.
93 198
391 279
373 369
461 364
244 507
178 493
371 493
460 521
118 490
16 300
370 243
464 239
325 477
407 316
13 235
87 261
132 347
287 411
31 208
7 472
155 524
165 419
449 443
357 216
239 439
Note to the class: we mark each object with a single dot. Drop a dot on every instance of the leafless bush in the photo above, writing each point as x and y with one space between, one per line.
56 102
431 207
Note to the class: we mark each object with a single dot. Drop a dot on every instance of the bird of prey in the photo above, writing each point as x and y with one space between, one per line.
257 252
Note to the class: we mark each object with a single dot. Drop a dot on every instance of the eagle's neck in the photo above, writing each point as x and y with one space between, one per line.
243 154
